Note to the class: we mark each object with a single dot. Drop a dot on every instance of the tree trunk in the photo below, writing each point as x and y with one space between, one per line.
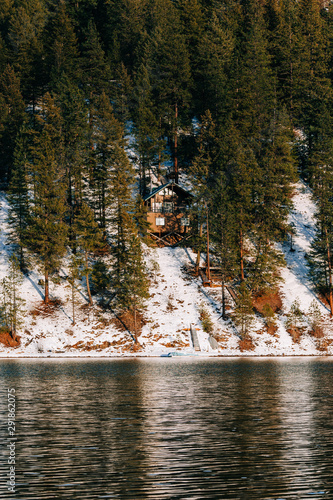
14 315
197 263
176 145
88 290
73 301
208 256
241 255
135 325
223 296
329 273
46 297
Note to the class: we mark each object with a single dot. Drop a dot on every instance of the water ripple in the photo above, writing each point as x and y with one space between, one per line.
170 429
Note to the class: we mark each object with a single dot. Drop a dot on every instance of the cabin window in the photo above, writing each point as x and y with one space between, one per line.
185 221
157 207
160 221
167 207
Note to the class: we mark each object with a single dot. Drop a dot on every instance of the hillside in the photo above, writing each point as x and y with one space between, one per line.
176 297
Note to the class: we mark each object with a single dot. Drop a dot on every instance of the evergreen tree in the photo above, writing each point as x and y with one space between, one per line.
167 59
87 238
70 100
47 231
18 197
131 283
95 69
108 145
101 278
27 22
62 47
74 275
212 67
148 141
243 314
12 119
12 303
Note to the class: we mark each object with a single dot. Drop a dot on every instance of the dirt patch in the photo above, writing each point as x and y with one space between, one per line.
272 329
91 346
246 344
318 332
175 343
42 309
126 319
7 340
296 333
324 344
271 299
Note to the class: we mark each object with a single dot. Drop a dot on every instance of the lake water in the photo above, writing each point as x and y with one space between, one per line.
169 429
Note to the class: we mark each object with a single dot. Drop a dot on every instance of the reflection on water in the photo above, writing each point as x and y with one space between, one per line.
170 429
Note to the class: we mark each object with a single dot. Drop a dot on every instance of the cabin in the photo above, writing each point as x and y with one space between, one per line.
166 212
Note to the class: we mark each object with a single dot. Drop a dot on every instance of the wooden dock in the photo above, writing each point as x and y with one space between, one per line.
195 340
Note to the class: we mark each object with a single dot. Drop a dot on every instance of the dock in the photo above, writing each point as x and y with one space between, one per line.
195 340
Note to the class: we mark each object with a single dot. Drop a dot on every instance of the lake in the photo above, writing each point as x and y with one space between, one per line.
169 428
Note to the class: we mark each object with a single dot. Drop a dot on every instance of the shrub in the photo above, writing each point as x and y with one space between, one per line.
270 318
206 320
243 316
315 320
295 321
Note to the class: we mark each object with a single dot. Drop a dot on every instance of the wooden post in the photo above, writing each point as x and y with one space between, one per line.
46 298
329 273
208 263
197 264
223 297
176 145
241 255
73 300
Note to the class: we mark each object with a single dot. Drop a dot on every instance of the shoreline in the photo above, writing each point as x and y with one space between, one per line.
157 356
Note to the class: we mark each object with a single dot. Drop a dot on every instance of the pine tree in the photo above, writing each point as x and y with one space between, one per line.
18 197
167 59
12 119
70 100
108 145
213 63
148 143
95 69
12 303
130 283
27 22
204 170
47 231
243 314
63 51
87 239
321 169
101 278
315 320
295 320
74 275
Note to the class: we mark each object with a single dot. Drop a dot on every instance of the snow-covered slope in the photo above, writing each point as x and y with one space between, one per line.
176 297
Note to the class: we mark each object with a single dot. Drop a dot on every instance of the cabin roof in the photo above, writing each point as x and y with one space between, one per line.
176 187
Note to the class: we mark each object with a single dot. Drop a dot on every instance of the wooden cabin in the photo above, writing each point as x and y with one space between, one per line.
166 213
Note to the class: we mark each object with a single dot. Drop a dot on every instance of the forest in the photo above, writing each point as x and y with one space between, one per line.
235 96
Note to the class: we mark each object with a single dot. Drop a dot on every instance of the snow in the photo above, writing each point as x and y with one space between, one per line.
175 299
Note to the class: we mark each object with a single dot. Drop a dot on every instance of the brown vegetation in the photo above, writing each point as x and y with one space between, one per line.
271 299
296 333
323 344
272 329
125 322
246 344
42 309
317 331
7 339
